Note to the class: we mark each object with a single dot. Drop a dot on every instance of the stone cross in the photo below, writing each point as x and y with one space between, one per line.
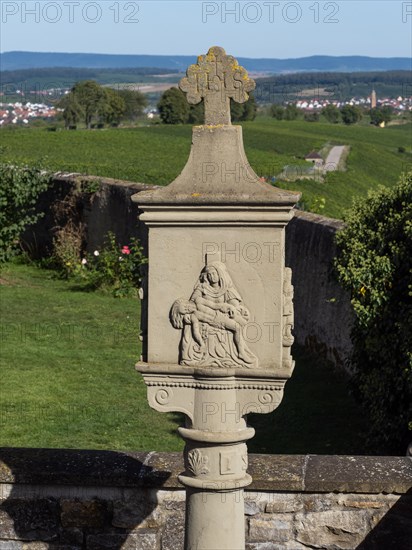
218 311
216 78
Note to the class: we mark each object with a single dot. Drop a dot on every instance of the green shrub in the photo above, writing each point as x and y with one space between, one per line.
375 264
67 250
20 187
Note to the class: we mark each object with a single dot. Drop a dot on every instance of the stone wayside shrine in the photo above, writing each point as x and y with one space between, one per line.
217 306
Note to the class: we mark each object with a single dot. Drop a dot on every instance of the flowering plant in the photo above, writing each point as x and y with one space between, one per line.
114 267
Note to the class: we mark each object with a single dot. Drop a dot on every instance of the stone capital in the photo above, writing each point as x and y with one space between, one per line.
212 399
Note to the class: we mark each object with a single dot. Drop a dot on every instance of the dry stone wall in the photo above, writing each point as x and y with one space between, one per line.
96 500
323 312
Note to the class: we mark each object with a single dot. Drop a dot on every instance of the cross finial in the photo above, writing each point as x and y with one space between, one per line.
216 78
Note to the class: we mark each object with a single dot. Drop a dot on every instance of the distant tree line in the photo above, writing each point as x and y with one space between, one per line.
341 86
174 109
53 77
274 89
94 105
348 114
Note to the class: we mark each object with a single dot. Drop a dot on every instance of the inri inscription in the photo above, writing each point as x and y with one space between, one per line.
216 77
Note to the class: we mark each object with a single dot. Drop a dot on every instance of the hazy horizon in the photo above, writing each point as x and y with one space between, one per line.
256 30
195 55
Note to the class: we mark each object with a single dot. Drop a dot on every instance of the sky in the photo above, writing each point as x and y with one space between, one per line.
277 29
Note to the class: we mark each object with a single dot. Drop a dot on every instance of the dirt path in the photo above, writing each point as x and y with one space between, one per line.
333 158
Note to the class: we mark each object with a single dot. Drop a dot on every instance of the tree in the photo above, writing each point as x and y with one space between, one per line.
379 115
173 107
243 111
111 108
134 102
249 108
90 96
278 112
236 111
350 114
375 264
72 110
331 113
291 112
197 113
90 102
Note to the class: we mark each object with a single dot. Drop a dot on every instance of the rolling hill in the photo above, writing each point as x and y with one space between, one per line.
31 60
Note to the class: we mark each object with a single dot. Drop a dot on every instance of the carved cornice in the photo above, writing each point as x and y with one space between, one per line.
205 386
216 215
181 373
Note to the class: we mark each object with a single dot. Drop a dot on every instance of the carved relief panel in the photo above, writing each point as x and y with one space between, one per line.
212 322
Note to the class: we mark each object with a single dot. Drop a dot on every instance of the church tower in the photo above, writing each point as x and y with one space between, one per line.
373 99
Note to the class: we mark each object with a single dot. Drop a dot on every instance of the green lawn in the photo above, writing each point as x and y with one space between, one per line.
67 380
157 153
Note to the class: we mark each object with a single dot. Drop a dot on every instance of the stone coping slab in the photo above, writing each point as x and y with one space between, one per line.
74 177
330 223
294 473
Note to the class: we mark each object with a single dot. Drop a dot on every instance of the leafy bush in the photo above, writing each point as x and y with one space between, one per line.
375 264
350 114
115 268
277 111
19 192
331 113
382 114
311 117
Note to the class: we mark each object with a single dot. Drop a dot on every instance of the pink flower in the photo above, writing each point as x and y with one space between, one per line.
125 250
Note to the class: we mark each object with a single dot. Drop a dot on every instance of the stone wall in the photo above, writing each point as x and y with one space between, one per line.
323 316
95 500
323 312
101 205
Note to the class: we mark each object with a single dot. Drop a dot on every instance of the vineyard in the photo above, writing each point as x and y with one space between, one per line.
157 153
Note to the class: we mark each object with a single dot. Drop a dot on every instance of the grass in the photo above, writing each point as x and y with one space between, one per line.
156 154
67 369
67 380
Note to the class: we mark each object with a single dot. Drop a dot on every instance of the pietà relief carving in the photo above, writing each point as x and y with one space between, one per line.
212 322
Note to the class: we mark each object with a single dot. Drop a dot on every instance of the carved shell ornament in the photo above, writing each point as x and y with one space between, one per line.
197 463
